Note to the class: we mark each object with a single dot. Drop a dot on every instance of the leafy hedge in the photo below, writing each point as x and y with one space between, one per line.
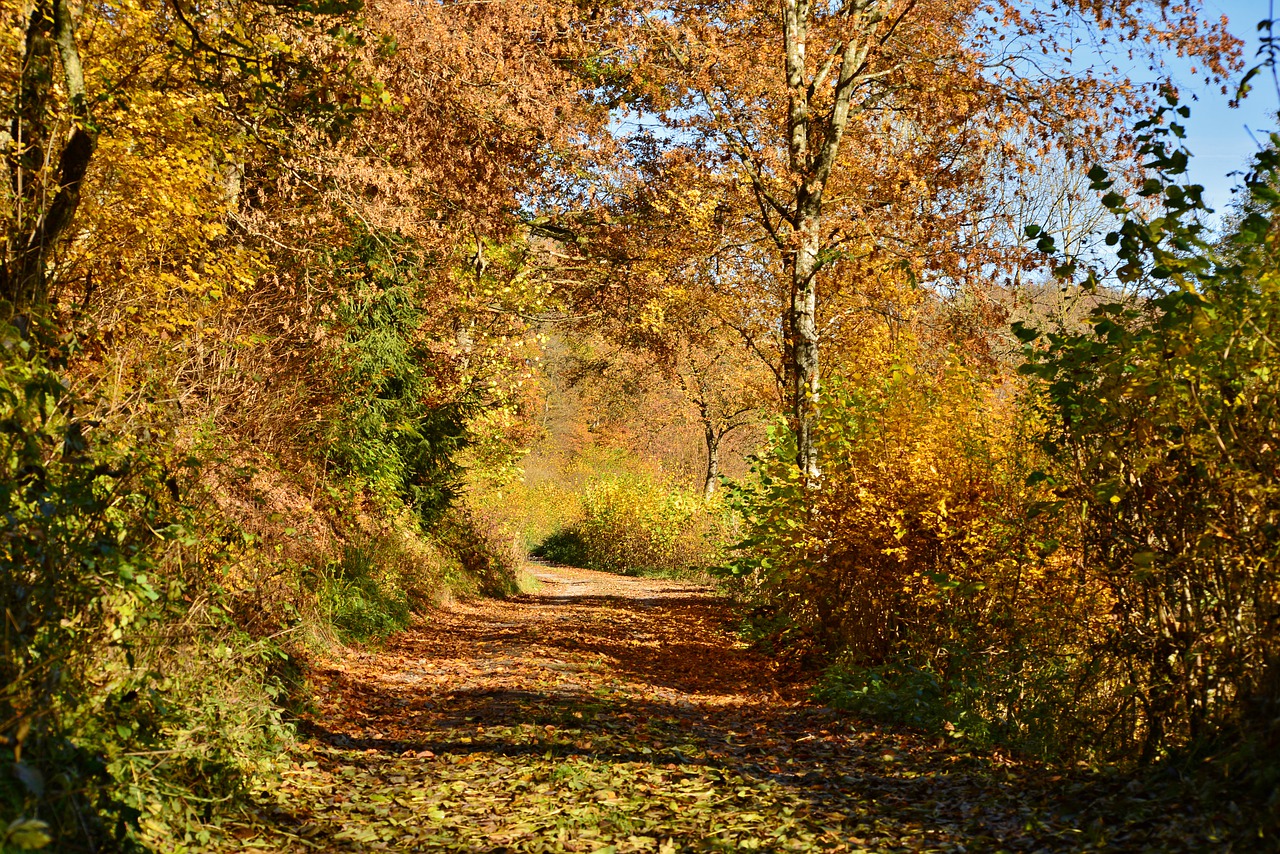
119 715
1163 420
636 522
1083 566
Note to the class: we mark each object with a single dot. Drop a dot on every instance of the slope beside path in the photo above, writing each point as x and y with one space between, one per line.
611 714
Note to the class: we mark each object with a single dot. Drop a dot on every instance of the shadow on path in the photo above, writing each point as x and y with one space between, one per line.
621 714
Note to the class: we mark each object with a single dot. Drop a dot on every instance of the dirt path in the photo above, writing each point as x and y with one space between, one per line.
603 713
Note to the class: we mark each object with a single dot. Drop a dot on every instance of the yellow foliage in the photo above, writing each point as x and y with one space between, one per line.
924 541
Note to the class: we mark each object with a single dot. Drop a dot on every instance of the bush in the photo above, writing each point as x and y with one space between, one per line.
920 570
1162 419
485 550
206 725
1088 568
919 520
978 702
386 575
564 546
78 581
124 715
396 423
896 694
361 602
638 523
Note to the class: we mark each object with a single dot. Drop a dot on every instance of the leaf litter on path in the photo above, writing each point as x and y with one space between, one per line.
615 714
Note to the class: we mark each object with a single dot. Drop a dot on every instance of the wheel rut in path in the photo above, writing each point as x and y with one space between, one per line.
615 714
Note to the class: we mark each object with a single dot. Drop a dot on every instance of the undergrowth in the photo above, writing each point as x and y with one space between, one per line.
159 612
359 601
132 708
638 523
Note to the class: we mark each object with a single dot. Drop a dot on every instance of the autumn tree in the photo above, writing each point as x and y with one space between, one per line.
45 164
722 381
684 346
685 305
76 77
697 325
861 129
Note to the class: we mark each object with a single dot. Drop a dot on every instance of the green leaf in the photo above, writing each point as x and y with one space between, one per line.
1024 333
27 834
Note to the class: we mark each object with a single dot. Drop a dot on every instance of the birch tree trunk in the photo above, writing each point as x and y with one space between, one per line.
713 464
813 142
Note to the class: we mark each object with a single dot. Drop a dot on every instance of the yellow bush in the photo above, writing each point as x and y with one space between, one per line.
633 522
638 522
921 548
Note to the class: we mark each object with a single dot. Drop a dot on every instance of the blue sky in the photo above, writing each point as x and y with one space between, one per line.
1221 139
1218 136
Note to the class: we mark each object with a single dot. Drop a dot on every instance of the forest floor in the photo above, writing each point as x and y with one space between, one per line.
601 713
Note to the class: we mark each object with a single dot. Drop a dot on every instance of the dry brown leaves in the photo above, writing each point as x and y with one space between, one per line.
603 713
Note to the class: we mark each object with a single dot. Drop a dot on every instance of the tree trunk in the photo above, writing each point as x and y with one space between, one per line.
713 464
804 348
813 143
46 186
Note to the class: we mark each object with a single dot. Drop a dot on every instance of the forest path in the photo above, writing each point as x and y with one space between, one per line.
605 713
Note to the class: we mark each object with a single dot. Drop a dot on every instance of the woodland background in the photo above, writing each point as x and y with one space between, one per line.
904 326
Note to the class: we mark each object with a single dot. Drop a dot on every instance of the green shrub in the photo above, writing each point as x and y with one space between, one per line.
975 702
206 725
84 524
1162 417
124 716
896 694
359 600
564 546
387 575
393 425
